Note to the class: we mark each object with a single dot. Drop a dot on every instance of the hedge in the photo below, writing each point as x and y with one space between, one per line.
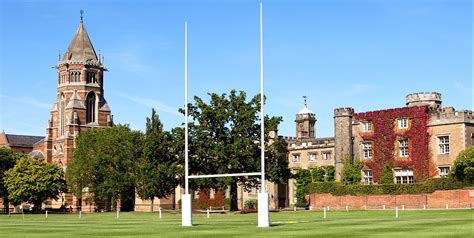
338 189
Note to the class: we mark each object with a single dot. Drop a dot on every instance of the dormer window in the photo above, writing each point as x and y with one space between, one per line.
366 126
91 77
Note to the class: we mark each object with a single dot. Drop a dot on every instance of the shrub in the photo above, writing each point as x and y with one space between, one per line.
339 189
351 171
251 204
387 175
463 168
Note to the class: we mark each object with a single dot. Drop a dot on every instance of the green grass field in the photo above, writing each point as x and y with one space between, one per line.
429 223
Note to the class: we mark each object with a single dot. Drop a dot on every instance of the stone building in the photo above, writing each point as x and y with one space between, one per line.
417 141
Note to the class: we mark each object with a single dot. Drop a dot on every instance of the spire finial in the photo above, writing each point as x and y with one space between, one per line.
59 55
82 12
305 103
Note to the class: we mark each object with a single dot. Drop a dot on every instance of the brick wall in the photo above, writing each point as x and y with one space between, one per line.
463 198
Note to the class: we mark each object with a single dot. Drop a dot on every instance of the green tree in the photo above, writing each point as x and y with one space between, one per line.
7 161
303 177
387 175
463 168
104 164
351 173
223 138
330 173
32 180
158 167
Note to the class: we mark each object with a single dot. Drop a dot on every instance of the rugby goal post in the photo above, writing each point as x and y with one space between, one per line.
263 199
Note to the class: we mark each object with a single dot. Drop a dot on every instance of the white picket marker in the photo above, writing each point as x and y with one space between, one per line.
46 214
328 208
159 210
396 212
310 208
207 213
294 208
118 214
424 206
447 206
365 207
324 212
403 207
347 208
80 214
384 207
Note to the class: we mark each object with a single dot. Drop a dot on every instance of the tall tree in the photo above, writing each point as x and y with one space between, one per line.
7 161
104 162
224 136
158 168
33 180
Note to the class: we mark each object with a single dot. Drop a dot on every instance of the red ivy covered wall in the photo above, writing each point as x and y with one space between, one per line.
385 135
204 201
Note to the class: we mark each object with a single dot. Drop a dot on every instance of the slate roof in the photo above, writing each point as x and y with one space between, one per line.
80 49
22 140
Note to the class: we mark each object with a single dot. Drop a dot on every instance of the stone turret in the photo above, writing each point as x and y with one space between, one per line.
305 123
431 99
343 137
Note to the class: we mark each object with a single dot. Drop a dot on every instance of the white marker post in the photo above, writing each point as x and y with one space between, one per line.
118 216
186 206
80 214
384 207
424 206
403 207
263 200
159 210
207 213
46 213
324 212
347 208
396 212
447 206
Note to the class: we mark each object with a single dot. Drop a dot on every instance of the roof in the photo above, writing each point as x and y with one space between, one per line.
22 140
305 110
80 49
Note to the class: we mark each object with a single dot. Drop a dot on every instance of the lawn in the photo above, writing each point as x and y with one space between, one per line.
429 223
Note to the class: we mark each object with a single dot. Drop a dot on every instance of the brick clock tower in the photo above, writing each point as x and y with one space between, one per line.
80 104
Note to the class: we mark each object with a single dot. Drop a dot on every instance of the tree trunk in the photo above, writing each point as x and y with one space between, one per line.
152 204
233 197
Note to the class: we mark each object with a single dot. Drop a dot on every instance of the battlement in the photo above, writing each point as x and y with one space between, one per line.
451 117
431 99
343 111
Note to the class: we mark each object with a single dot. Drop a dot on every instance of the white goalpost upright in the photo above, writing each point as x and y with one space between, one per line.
263 199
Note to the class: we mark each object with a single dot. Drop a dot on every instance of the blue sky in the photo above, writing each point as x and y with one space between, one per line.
366 54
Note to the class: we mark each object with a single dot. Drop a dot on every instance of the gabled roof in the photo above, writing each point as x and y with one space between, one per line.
22 140
80 49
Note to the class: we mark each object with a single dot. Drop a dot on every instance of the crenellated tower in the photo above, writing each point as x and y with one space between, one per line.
80 103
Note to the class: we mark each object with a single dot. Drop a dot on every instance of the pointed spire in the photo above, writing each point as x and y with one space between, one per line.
80 49
82 12
59 55
305 103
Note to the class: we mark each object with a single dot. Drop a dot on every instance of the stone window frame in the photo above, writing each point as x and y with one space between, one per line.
403 147
403 176
445 173
443 145
367 126
326 155
403 123
310 156
368 176
366 151
296 158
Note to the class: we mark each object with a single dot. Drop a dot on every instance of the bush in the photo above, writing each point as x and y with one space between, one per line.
251 204
351 171
463 168
227 203
387 175
339 189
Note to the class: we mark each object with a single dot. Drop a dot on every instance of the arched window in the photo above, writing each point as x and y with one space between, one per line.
62 114
90 108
